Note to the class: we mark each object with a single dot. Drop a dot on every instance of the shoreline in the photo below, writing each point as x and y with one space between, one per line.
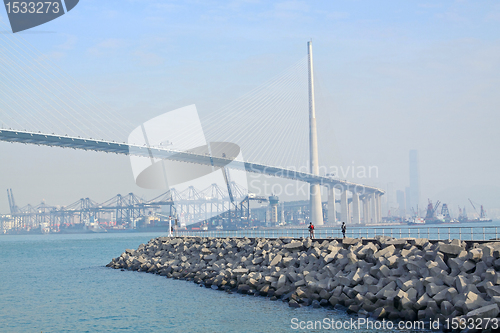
382 278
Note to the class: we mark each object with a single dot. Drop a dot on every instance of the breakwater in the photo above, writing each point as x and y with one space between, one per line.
385 278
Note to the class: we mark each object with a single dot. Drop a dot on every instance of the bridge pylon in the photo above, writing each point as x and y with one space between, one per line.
315 192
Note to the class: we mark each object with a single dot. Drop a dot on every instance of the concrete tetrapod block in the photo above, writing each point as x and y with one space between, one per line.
421 302
475 254
350 241
450 249
281 281
276 260
420 242
473 301
432 289
468 266
461 283
334 300
380 313
492 290
385 252
397 282
294 245
366 250
283 290
488 311
490 275
385 271
243 288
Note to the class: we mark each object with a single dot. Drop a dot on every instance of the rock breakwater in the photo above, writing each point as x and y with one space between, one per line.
385 278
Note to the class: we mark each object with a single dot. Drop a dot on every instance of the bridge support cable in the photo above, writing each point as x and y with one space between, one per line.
279 132
80 107
267 123
37 80
12 98
270 113
50 69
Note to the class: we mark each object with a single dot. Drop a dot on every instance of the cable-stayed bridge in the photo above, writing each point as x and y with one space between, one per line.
53 140
365 193
268 124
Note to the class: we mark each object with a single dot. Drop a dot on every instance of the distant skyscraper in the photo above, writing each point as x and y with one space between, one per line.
400 198
414 180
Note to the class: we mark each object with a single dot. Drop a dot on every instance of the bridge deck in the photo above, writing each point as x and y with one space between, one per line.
54 140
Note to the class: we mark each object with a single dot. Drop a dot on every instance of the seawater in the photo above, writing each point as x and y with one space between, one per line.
59 283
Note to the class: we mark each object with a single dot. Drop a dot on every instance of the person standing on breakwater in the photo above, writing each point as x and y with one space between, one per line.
311 230
343 228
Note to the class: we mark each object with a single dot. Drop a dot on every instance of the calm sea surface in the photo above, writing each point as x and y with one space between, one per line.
59 283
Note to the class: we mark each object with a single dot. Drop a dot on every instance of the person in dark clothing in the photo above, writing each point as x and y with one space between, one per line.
343 228
311 230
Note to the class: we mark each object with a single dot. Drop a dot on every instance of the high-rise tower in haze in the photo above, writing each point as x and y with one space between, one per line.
414 180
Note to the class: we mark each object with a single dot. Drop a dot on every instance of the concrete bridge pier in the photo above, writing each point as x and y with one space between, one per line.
356 218
344 213
373 209
379 207
376 211
316 206
331 205
366 208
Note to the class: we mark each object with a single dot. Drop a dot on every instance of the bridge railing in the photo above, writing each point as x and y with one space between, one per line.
435 233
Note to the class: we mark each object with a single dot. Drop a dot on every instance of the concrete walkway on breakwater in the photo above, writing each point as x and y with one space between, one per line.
385 278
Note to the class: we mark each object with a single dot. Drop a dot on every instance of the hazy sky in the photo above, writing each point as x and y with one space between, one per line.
393 76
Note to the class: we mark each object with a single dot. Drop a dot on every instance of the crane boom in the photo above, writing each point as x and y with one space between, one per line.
436 206
225 173
12 202
473 205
